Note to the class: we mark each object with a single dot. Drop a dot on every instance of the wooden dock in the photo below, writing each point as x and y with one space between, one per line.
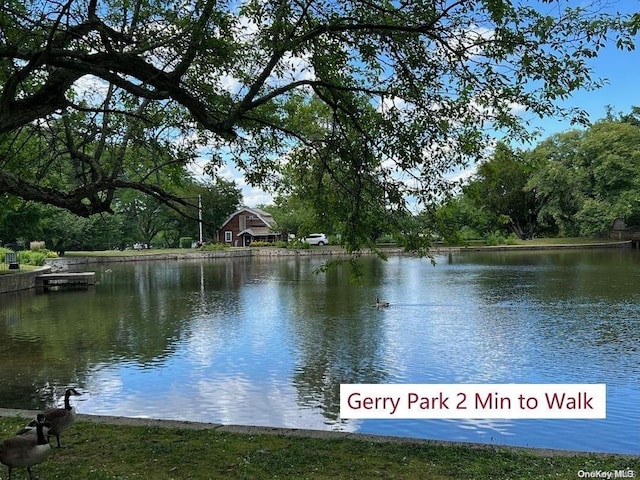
47 280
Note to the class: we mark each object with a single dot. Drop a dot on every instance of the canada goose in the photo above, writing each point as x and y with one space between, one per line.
381 303
27 450
57 419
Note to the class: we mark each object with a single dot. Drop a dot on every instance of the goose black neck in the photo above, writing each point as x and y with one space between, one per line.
67 405
40 433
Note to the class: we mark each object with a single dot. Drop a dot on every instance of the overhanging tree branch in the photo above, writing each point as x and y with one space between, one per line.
163 80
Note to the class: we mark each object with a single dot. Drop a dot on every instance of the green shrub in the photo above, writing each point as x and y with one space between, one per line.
299 244
261 244
453 237
512 239
467 233
36 246
335 240
29 257
384 239
493 238
282 244
185 242
212 247
3 251
497 238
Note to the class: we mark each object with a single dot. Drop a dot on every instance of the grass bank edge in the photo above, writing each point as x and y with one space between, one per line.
108 450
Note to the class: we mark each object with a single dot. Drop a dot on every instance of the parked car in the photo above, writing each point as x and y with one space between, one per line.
317 239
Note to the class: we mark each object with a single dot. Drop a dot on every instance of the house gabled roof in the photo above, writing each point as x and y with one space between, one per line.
266 218
258 232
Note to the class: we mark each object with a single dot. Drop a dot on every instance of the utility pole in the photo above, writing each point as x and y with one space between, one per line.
200 216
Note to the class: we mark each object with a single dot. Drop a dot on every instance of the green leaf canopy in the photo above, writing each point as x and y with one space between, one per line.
102 95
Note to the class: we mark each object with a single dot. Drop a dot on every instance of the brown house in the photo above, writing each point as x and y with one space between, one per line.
247 225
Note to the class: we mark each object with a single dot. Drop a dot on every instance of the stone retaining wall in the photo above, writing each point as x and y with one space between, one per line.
75 263
26 280
20 281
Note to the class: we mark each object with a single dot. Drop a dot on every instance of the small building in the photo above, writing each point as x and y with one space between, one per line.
619 225
620 231
247 225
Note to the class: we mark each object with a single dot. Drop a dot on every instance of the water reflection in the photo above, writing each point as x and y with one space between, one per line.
267 342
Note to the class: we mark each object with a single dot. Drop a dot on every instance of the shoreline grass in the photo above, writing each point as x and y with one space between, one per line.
566 241
130 253
4 270
101 451
536 242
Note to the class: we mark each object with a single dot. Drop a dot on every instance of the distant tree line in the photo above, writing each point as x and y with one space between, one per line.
361 107
137 218
571 184
574 183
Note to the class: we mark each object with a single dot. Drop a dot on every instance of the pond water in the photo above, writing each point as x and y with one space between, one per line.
262 341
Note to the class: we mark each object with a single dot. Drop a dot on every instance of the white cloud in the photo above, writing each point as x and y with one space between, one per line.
252 196
90 89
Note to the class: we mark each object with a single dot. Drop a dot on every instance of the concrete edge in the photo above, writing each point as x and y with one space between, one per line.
304 433
26 280
22 280
547 247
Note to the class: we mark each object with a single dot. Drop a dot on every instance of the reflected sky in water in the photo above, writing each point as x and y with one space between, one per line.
262 341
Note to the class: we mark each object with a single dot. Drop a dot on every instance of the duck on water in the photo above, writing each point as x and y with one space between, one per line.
381 303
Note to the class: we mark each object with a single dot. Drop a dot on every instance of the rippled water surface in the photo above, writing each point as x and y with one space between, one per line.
262 341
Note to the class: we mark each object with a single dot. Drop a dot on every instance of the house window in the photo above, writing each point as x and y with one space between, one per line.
228 236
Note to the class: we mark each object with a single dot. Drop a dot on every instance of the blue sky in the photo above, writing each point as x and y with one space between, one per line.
620 69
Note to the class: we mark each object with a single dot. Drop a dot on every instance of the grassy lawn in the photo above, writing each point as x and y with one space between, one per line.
564 241
100 451
126 253
111 253
4 270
